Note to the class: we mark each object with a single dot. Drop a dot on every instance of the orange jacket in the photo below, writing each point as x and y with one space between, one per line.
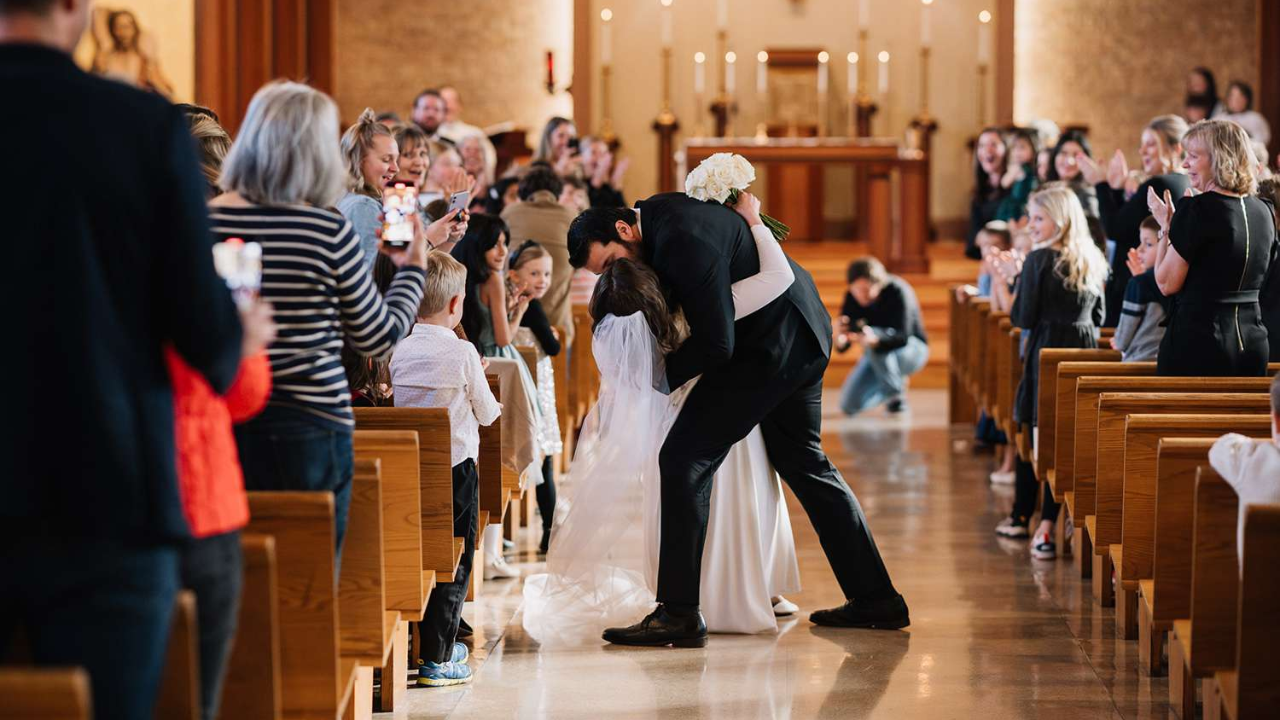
209 478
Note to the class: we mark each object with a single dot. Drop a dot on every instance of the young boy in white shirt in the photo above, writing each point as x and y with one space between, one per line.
1250 466
434 368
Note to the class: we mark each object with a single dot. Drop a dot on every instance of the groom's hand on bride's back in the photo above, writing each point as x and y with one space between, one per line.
748 206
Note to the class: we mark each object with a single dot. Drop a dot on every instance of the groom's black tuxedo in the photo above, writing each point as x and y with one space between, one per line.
765 370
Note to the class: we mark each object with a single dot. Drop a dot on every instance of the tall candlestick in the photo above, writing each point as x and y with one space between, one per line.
884 72
668 29
722 14
926 31
984 38
852 80
823 59
864 14
699 73
762 73
729 59
606 37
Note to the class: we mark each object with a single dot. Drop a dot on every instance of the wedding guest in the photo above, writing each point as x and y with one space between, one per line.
504 193
1065 167
213 143
880 313
604 175
283 170
479 160
1141 326
539 216
372 160
1060 304
110 251
390 119
453 125
530 268
558 146
1251 467
1161 153
415 155
1020 178
434 368
1197 109
1263 159
1269 296
1202 92
1214 259
989 164
1239 109
429 113
444 167
575 195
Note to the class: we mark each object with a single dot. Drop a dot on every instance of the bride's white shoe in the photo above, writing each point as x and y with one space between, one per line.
783 607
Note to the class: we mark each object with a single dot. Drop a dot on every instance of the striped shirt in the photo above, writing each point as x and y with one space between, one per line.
314 275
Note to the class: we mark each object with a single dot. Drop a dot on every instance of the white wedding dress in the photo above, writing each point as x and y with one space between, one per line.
603 561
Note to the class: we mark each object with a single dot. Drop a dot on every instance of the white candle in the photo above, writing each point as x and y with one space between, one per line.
984 37
926 34
853 74
606 37
722 14
699 73
729 58
762 73
864 14
668 29
884 72
823 59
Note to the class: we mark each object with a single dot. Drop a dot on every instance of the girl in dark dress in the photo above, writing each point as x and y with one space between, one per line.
1161 153
989 164
1213 257
1060 303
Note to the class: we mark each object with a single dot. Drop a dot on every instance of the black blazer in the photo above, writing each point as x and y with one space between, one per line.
108 257
699 249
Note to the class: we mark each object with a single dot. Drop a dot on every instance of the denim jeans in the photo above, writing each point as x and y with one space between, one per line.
213 568
283 449
882 376
97 603
439 629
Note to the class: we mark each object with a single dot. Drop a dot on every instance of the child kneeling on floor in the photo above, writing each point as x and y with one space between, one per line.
433 368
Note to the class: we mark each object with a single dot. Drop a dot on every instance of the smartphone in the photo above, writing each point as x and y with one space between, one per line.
459 201
240 265
399 203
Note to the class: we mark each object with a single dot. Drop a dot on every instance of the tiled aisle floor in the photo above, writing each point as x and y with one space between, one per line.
994 635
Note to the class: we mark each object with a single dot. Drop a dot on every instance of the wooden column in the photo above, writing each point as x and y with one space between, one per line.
909 253
1268 95
1004 61
879 212
582 49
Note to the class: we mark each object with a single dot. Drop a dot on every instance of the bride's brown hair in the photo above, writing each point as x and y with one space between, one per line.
627 287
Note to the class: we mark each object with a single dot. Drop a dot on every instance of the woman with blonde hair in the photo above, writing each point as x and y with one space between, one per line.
214 144
1059 303
1212 258
1161 154
372 159
557 147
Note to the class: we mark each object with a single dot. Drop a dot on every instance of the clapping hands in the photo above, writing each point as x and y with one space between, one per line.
1161 207
1134 262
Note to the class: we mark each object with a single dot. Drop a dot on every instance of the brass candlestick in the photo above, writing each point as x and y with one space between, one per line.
864 107
722 106
982 94
666 125
606 123
924 123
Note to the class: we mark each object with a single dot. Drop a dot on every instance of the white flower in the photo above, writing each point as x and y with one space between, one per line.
717 176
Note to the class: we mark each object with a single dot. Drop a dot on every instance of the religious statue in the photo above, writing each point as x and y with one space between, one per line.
122 51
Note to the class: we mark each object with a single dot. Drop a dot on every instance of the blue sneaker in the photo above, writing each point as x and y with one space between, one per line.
443 675
460 654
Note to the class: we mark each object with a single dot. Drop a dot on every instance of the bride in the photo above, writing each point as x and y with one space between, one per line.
603 560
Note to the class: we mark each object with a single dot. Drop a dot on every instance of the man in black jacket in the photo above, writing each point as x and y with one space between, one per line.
110 259
765 369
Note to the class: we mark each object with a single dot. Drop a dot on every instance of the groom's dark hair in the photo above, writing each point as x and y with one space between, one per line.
596 225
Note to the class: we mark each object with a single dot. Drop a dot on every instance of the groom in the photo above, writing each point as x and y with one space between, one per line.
765 370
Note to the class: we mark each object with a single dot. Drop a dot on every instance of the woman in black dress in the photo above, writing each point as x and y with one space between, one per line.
989 162
1161 153
1213 257
1059 304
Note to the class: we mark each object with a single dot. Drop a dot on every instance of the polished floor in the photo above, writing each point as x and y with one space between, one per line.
994 634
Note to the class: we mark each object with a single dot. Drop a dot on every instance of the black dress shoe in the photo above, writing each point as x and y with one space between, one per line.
663 627
888 614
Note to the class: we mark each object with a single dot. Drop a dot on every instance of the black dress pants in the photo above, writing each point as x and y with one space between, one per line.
722 410
439 628
213 568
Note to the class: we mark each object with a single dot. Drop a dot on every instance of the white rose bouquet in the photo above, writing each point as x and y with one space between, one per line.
720 178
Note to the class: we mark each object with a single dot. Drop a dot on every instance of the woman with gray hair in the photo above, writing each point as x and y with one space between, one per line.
283 172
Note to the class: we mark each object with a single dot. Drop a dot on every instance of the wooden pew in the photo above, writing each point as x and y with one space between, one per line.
560 371
251 689
1133 556
1250 690
960 406
1009 373
44 694
1046 398
1102 506
1205 642
316 681
494 493
992 345
179 695
1057 457
980 310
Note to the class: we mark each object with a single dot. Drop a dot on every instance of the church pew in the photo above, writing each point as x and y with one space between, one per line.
441 551
560 371
1250 689
28 693
494 494
397 451
960 406
990 380
1133 556
316 681
366 626
251 689
1205 641
1046 398
583 375
1102 505
1057 461
978 346
179 696
1005 360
